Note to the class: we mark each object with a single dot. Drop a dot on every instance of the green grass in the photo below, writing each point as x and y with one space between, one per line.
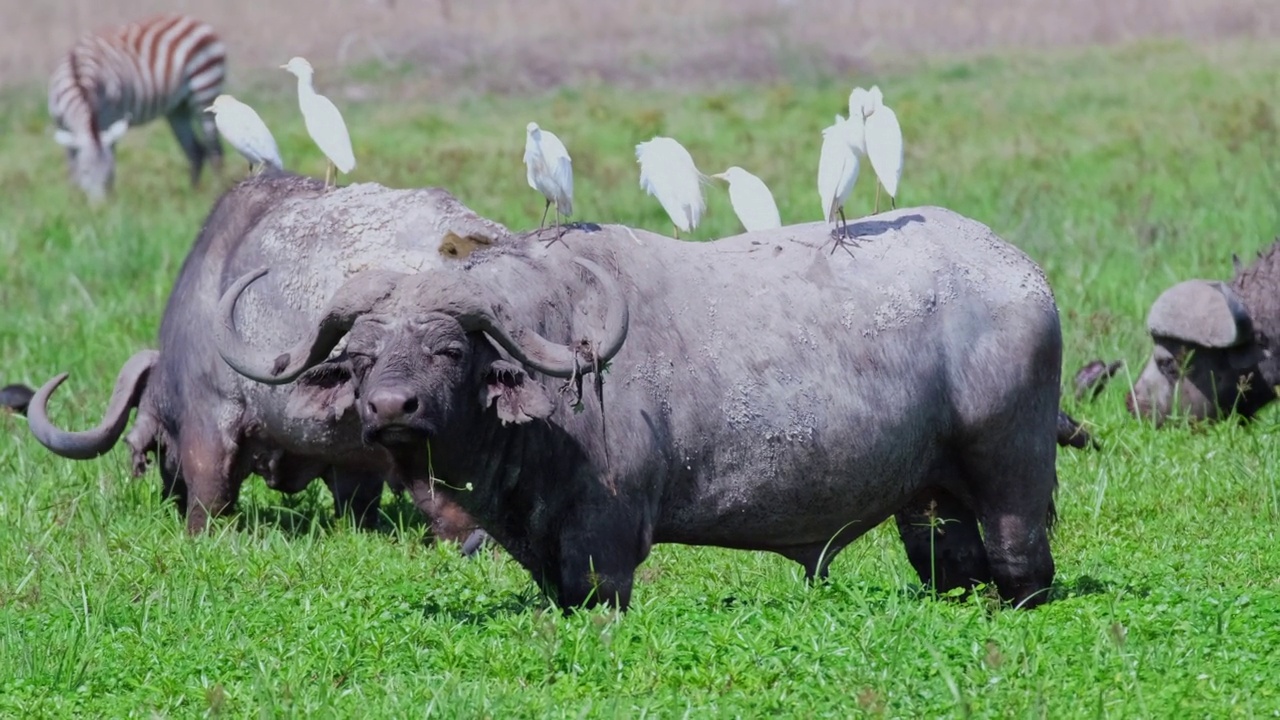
1120 171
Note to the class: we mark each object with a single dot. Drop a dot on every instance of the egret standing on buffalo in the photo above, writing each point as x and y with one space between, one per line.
667 172
550 172
884 141
752 201
244 129
838 169
324 122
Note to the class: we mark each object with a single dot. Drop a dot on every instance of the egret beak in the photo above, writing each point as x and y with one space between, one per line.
209 109
284 67
720 176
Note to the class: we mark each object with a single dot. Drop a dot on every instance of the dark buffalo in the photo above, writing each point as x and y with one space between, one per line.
16 397
209 426
1214 351
759 392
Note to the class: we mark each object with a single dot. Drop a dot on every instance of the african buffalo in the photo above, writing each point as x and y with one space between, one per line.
209 426
758 392
16 397
1213 352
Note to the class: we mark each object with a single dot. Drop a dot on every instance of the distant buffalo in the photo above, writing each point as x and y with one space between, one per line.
16 397
209 426
1215 346
588 399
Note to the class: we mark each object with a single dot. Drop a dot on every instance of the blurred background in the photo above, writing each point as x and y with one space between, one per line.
513 45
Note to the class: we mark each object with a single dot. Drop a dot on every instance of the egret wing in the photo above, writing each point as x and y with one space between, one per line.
884 147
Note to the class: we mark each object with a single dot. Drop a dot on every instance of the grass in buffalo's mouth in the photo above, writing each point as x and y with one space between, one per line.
1121 172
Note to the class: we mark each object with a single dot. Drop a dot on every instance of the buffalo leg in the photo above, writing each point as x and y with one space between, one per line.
180 123
172 486
1013 479
207 457
598 562
211 142
943 542
357 494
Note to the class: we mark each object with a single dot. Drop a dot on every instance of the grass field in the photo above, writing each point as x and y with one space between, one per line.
1121 171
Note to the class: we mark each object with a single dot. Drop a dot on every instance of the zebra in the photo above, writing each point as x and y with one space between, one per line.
171 65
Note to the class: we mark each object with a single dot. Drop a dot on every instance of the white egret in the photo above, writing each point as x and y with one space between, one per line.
838 169
667 172
860 103
884 144
244 129
752 201
324 122
550 171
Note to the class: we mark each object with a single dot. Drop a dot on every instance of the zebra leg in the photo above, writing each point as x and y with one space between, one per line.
180 121
212 141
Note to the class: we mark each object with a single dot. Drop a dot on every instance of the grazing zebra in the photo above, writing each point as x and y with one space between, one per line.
170 65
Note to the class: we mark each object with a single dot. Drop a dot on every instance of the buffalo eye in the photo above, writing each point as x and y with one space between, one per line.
451 352
1170 367
360 362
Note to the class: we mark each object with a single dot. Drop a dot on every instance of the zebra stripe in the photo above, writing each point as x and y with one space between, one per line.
141 71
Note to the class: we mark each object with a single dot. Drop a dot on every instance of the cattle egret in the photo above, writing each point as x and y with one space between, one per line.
244 129
838 169
884 144
752 201
667 172
550 171
324 122
860 103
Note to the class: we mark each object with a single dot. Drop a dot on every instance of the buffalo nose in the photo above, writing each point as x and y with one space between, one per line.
392 406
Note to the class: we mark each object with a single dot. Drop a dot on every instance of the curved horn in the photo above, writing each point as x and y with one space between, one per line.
356 296
551 358
91 443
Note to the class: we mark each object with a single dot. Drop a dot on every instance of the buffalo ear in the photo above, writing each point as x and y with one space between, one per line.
322 393
518 398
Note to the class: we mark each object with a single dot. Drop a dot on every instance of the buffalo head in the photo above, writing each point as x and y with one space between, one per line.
422 351
1205 361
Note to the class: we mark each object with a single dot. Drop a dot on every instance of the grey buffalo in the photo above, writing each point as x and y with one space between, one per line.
210 427
585 401
1214 351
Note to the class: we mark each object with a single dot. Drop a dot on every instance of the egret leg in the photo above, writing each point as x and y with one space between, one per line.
328 173
543 221
840 235
877 210
559 231
677 231
893 202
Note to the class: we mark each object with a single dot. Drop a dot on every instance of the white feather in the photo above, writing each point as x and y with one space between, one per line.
245 131
884 143
837 166
667 173
549 167
751 199
324 122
